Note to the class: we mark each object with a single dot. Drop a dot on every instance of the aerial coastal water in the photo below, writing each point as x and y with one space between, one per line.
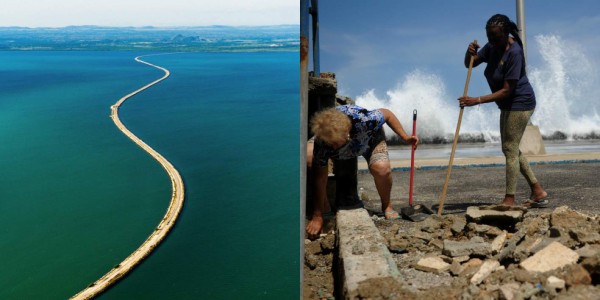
78 196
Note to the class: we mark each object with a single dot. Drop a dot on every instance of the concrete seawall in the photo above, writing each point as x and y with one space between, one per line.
168 221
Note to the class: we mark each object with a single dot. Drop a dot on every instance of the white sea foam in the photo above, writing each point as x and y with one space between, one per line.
563 84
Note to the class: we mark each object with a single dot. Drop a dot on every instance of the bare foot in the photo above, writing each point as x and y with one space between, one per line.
509 200
313 229
537 192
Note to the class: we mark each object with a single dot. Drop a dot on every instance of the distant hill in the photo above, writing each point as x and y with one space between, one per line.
216 38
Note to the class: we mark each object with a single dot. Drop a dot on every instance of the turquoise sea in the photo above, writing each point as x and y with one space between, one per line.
77 196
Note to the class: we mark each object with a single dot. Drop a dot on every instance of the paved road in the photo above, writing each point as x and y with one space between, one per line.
569 179
168 221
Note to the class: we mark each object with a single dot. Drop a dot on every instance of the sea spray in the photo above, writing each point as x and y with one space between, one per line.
437 111
420 91
563 84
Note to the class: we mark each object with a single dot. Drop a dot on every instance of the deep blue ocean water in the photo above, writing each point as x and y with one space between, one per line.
77 196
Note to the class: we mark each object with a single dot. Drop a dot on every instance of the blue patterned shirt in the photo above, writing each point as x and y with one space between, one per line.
365 125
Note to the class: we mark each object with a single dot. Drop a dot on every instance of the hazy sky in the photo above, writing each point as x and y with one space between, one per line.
58 13
375 44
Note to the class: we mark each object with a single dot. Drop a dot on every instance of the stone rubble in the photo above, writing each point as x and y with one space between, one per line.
497 252
491 252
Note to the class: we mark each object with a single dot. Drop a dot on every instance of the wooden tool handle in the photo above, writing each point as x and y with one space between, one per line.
443 197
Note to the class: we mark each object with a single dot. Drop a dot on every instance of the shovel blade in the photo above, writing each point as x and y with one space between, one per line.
416 213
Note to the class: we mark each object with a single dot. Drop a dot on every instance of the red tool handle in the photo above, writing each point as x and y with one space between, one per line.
412 159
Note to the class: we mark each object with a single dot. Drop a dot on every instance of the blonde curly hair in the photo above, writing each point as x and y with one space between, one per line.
330 125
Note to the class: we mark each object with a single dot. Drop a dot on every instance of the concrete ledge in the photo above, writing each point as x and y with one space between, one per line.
363 253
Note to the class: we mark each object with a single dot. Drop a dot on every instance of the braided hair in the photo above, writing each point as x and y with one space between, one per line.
507 26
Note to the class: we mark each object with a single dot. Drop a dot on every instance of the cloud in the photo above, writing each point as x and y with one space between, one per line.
57 13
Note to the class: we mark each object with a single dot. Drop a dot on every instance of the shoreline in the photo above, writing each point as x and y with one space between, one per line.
168 221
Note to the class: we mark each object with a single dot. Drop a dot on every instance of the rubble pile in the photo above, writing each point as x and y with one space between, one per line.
318 281
497 252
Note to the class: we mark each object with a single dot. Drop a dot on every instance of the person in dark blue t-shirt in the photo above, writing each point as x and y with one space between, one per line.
512 92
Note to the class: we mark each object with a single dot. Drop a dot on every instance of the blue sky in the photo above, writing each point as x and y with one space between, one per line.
59 13
373 45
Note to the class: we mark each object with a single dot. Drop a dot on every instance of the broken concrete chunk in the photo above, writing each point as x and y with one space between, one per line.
432 264
527 246
588 251
486 269
436 243
328 245
470 268
556 283
431 224
484 230
585 235
564 217
592 264
511 245
498 243
494 214
536 225
461 259
552 257
575 275
454 248
313 248
509 291
456 268
458 226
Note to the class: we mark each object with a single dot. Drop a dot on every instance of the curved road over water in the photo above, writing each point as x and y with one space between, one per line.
168 220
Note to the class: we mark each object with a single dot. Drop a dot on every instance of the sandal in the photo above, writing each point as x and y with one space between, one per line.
392 215
542 203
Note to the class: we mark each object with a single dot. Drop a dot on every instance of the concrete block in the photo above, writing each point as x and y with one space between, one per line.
531 142
363 252
552 257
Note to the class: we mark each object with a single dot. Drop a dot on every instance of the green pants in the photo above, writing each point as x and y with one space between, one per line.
512 127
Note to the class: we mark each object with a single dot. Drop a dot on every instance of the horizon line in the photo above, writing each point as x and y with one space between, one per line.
146 26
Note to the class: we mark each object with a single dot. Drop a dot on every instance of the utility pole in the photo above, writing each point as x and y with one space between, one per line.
531 142
521 24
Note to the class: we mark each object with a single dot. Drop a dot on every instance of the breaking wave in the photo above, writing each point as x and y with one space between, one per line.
564 85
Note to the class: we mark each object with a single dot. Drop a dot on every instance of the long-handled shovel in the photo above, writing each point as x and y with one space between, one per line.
418 212
443 197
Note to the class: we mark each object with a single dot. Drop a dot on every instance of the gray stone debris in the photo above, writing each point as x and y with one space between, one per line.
495 214
471 247
505 253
